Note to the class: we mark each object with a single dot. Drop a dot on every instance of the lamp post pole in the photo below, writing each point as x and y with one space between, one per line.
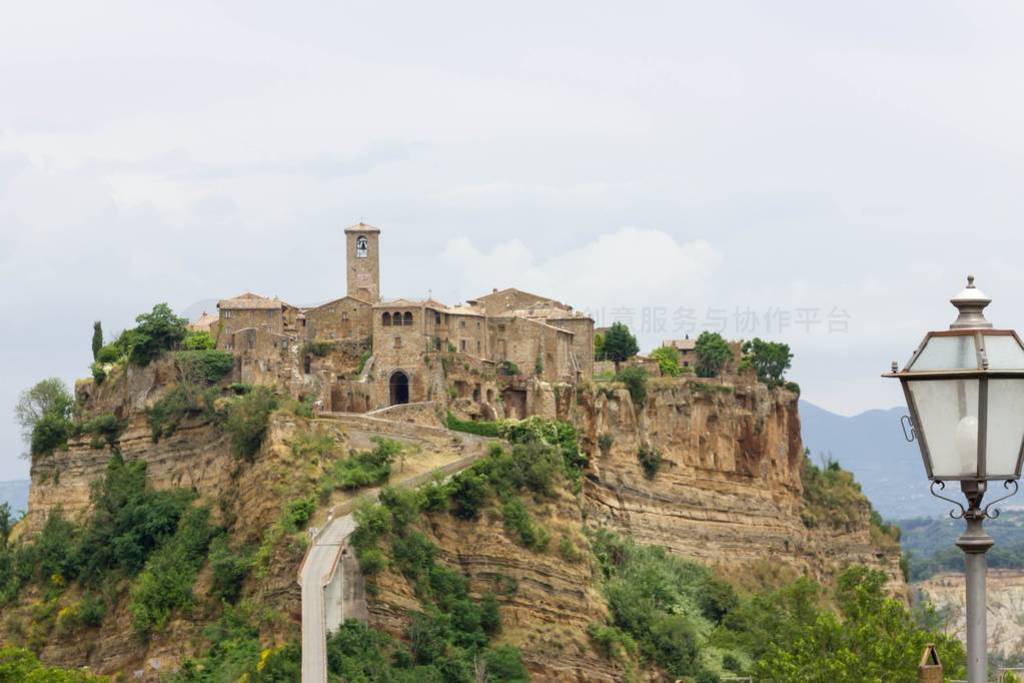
975 542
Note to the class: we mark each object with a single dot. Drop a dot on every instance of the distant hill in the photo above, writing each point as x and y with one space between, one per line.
15 493
871 445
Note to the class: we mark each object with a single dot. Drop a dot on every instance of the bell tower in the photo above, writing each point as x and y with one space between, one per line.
362 243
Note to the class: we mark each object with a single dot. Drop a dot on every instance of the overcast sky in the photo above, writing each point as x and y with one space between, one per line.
820 173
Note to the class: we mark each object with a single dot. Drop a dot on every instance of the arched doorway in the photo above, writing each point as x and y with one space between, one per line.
399 386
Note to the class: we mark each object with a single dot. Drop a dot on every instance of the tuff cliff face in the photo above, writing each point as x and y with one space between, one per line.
1005 602
727 492
728 489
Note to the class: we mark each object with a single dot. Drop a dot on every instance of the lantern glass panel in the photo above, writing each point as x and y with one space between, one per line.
1005 430
947 415
1004 352
947 353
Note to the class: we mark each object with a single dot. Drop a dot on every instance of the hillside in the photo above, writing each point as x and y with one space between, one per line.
871 445
612 535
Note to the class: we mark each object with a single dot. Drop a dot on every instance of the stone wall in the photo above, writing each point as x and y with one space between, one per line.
345 318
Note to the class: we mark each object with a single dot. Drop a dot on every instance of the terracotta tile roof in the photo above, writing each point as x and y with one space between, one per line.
248 302
203 322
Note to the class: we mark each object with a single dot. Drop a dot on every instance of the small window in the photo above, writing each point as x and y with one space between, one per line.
437 318
407 318
362 246
227 314
344 315
462 323
398 342
478 324
385 320
501 328
478 346
397 318
462 345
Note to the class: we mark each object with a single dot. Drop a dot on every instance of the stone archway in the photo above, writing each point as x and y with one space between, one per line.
398 388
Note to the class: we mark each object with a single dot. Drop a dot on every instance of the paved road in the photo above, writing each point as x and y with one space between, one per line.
314 575
324 551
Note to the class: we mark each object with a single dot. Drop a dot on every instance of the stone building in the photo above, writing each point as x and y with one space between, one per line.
360 352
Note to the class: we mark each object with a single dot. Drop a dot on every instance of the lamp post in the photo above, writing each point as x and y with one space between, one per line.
965 390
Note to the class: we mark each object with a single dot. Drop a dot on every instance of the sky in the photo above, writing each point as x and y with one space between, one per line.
824 174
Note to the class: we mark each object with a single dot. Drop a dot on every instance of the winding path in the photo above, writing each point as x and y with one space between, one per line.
323 563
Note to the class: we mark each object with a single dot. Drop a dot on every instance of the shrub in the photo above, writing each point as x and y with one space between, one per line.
180 401
106 426
198 341
668 360
206 365
363 468
508 369
605 442
649 459
109 354
468 493
165 584
50 433
229 569
98 373
363 358
300 511
247 419
712 352
635 379
18 664
518 521
157 331
317 348
480 428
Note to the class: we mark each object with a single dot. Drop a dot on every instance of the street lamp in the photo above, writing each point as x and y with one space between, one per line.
965 390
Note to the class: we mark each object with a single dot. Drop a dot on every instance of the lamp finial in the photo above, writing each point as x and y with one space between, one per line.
971 303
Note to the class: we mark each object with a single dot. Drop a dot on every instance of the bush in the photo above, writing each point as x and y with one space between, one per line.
165 584
508 369
106 426
649 459
109 354
299 512
207 365
18 664
712 353
247 419
363 468
635 379
157 331
44 415
50 433
604 443
198 341
518 522
317 348
98 373
229 566
468 493
480 428
179 402
668 360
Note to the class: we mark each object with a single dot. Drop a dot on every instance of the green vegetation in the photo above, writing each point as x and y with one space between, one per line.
165 585
712 352
518 522
180 401
833 499
649 459
317 348
198 341
230 567
246 421
207 366
929 543
605 442
97 339
668 360
157 331
619 344
44 414
635 379
599 353
508 369
363 358
21 666
770 360
478 427
105 428
362 468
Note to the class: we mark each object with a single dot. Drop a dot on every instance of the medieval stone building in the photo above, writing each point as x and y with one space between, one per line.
360 352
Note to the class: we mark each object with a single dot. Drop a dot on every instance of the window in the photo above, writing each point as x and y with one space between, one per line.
437 318
362 246
407 318
501 328
344 315
385 320
462 345
398 342
462 323
227 314
478 346
478 324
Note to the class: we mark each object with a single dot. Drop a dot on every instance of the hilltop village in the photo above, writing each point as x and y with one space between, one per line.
360 352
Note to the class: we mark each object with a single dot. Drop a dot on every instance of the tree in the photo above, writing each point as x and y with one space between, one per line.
635 379
44 414
619 344
712 353
668 360
97 339
156 332
599 353
769 359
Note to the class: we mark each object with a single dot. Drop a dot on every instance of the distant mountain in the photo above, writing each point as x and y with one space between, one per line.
15 493
871 445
